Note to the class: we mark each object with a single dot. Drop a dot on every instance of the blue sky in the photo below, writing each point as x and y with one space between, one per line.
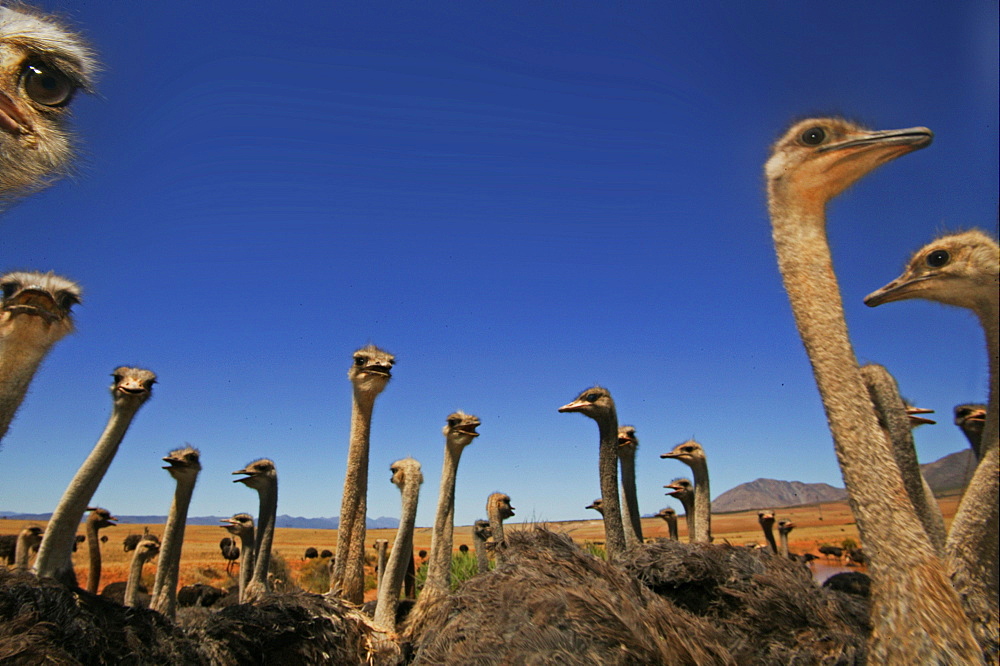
519 200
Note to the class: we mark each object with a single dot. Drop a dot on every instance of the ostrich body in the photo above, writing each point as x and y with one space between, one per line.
97 520
28 539
916 615
406 476
34 315
692 454
131 389
898 421
669 515
766 520
262 477
458 433
241 525
971 419
498 509
480 534
145 550
370 372
683 490
964 270
42 64
184 465
631 518
597 404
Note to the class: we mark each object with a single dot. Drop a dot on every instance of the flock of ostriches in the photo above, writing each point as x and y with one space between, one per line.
933 597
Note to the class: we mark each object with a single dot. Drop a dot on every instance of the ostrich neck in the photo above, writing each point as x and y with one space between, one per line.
246 561
135 577
439 566
265 537
479 544
348 573
94 551
22 552
672 528
989 318
630 507
784 543
55 555
395 568
168 571
381 553
614 531
769 535
688 504
496 526
702 503
910 586
20 355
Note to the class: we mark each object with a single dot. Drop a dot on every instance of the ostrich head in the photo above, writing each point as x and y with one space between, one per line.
499 503
132 387
627 439
690 452
240 524
371 370
40 302
259 474
595 402
460 429
183 463
42 65
405 471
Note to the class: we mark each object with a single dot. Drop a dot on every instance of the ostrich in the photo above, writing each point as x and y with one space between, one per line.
692 454
498 509
916 615
669 515
311 553
131 389
28 539
683 490
459 432
480 534
971 418
241 526
766 520
147 548
97 520
406 476
262 476
964 270
597 404
597 505
369 374
898 420
784 529
183 465
42 64
381 547
34 315
230 553
627 445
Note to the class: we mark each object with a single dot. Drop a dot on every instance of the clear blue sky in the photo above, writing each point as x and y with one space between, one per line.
519 200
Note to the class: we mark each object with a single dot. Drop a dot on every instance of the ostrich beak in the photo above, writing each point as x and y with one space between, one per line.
575 406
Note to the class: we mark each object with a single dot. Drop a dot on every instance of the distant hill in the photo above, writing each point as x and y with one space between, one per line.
945 476
282 521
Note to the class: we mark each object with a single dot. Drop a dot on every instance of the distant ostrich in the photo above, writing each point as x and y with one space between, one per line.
963 270
459 432
131 389
831 551
683 490
145 550
407 476
369 374
311 553
34 316
785 528
916 614
480 534
766 520
971 418
597 505
669 515
28 539
326 553
183 465
241 526
628 443
42 64
97 520
692 454
230 553
597 404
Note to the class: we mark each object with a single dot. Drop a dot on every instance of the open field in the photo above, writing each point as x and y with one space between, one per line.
202 561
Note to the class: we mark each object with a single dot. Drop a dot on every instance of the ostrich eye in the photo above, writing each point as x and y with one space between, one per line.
938 258
454 422
813 136
46 85
359 361
9 289
591 397
67 300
